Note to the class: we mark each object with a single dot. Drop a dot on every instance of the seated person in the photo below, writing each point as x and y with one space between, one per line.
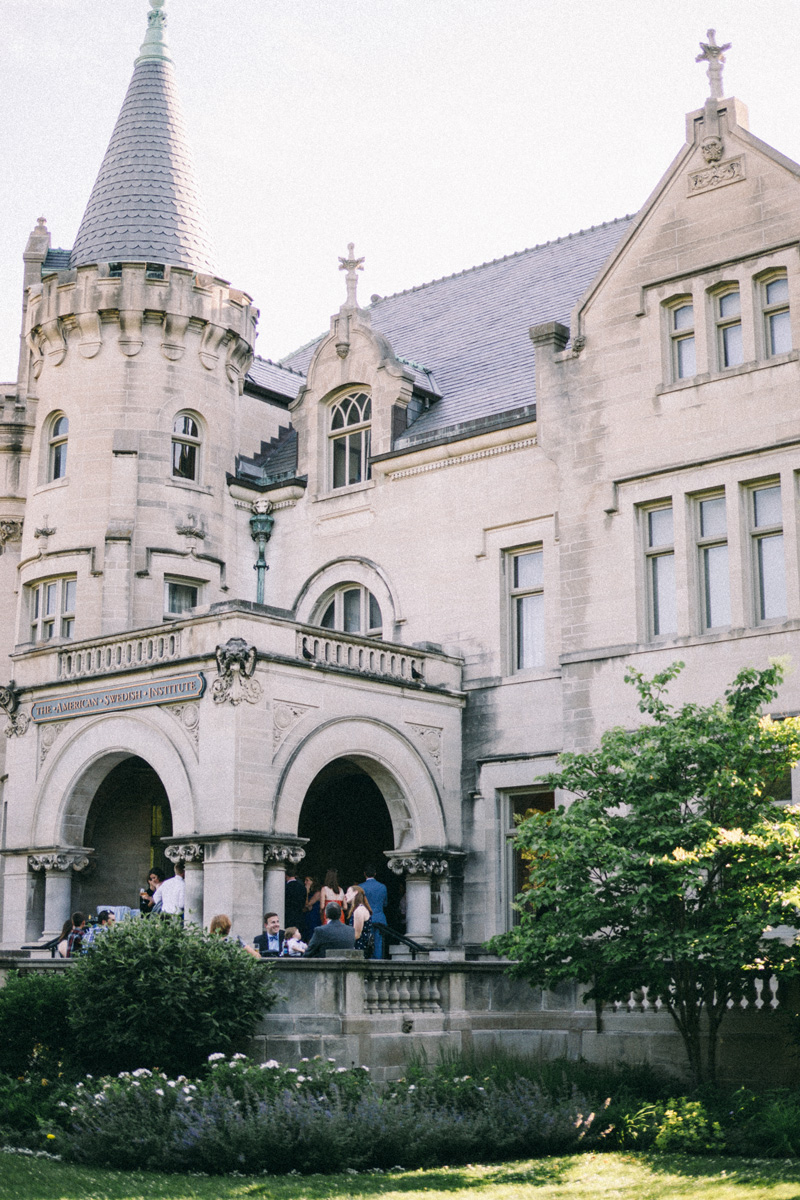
270 942
105 921
333 936
294 944
221 926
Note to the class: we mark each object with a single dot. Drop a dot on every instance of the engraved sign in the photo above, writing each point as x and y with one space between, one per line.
716 175
135 695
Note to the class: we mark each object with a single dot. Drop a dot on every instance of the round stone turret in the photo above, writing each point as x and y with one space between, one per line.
136 371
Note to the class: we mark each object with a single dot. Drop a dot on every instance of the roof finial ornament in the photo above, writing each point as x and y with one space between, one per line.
154 45
714 55
351 264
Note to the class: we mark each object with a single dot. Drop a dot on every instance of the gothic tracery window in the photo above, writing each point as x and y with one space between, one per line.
350 440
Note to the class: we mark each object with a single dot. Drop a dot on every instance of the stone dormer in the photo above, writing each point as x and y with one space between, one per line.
355 400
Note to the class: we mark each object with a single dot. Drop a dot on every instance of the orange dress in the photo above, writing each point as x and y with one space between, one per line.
327 897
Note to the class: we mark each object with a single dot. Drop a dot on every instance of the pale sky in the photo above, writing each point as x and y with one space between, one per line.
435 134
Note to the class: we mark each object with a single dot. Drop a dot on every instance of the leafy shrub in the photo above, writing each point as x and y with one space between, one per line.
151 993
34 1031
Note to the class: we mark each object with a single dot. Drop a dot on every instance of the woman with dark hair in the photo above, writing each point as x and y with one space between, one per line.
311 914
154 880
359 915
332 893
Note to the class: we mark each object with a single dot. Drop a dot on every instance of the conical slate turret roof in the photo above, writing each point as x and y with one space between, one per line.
145 205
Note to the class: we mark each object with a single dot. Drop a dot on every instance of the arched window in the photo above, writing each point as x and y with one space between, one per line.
57 447
352 609
349 440
186 442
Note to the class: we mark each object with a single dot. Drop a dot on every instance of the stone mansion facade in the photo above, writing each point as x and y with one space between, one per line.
351 606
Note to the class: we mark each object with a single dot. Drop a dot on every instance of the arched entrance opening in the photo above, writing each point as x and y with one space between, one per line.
347 822
127 818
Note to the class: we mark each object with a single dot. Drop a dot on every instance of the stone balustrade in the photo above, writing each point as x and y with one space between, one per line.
359 654
381 1014
119 654
411 988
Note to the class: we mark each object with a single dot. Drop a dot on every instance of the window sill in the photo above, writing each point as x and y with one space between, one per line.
352 490
189 485
51 485
728 373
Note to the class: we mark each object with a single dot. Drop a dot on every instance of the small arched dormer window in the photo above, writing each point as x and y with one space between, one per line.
186 442
352 609
350 439
57 447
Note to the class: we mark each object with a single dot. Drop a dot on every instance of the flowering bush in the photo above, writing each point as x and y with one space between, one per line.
311 1118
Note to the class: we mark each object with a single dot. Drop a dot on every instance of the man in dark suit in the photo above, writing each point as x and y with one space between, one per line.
376 893
270 943
294 899
333 936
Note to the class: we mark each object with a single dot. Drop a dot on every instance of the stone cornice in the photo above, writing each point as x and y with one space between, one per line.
418 460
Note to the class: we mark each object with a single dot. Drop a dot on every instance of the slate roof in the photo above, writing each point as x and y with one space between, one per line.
277 459
55 260
272 377
471 330
145 205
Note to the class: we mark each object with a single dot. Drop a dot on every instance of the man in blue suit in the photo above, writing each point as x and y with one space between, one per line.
376 893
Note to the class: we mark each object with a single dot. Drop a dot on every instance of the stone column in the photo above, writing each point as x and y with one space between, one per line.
279 853
419 867
58 866
191 854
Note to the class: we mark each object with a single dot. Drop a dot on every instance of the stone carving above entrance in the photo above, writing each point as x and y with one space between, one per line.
185 852
18 722
430 738
59 860
236 664
47 737
187 715
285 715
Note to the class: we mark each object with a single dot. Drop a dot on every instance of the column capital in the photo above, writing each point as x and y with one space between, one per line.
187 852
284 851
60 860
426 861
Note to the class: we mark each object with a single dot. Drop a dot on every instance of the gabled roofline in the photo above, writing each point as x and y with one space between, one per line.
732 108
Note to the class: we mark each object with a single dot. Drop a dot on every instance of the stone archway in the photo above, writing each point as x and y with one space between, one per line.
128 816
346 822
405 782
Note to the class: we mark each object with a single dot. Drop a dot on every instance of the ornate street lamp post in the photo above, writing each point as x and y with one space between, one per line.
260 528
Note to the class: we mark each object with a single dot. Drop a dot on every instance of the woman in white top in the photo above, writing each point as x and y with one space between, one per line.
331 893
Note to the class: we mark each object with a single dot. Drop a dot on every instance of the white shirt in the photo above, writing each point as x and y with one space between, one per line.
171 894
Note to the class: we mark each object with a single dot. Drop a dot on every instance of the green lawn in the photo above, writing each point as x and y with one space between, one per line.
575 1177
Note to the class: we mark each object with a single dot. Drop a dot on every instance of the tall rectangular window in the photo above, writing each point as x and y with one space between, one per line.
523 805
527 608
729 329
777 322
713 551
684 360
52 608
660 555
769 568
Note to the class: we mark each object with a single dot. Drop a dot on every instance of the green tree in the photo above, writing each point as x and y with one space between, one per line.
152 994
670 863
